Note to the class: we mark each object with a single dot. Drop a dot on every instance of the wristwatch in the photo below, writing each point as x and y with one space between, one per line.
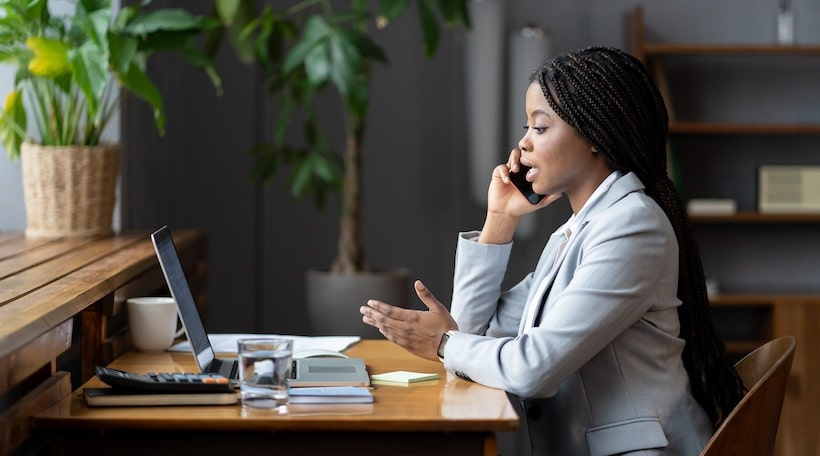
444 338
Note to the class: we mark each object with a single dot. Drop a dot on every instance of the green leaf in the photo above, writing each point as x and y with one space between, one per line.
94 27
171 19
455 12
345 62
164 41
197 58
286 107
318 64
94 5
50 57
136 81
90 68
391 9
13 124
326 169
123 49
429 27
315 32
367 48
126 14
301 178
227 10
236 16
358 97
360 5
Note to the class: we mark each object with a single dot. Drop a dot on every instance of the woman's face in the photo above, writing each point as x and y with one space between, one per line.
561 160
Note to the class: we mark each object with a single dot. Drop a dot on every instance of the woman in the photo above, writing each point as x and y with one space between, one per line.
608 342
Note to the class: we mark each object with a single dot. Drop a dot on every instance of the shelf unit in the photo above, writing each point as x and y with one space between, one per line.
746 320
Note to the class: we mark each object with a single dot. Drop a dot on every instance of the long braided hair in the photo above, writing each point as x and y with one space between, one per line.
608 96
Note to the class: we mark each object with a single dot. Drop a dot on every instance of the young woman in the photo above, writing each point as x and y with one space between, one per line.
608 342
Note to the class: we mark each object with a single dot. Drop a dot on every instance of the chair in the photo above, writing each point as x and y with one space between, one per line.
751 427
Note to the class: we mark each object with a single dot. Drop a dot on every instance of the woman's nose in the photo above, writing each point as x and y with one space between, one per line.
523 144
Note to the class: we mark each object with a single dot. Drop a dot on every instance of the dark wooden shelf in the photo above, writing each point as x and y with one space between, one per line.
661 49
761 299
756 217
709 128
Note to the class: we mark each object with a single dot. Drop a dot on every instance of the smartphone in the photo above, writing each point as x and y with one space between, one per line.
520 181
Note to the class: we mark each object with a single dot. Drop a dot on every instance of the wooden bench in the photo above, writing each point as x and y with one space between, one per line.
62 313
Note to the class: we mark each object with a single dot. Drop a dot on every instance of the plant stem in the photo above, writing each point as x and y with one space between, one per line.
350 257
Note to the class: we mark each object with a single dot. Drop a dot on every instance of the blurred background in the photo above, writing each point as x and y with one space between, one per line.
419 183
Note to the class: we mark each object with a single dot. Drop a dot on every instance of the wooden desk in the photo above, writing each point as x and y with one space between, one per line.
449 416
61 313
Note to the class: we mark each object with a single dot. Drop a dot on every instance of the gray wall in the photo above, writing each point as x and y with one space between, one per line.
261 242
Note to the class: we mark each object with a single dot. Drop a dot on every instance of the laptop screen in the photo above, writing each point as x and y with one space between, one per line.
178 285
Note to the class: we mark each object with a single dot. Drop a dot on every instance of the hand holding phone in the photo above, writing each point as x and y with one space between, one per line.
525 187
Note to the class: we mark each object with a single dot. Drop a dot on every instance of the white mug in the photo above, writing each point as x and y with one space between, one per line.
152 321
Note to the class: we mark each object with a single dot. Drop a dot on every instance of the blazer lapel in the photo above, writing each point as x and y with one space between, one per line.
542 277
548 264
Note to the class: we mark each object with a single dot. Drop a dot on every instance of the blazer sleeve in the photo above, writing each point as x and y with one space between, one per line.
478 305
623 264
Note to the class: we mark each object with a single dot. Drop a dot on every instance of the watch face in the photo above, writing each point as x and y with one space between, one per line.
444 338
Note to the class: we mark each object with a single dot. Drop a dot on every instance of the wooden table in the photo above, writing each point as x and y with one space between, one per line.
61 313
448 416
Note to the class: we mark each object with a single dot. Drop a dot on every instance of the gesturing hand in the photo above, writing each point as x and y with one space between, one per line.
417 331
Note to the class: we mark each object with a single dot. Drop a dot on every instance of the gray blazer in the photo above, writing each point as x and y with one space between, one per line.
600 371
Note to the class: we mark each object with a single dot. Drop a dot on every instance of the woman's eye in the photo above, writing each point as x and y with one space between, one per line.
538 130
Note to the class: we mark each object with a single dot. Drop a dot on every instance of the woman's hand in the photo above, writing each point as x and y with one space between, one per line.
417 331
504 198
506 204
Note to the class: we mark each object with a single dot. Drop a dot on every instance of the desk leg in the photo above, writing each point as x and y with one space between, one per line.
490 447
93 334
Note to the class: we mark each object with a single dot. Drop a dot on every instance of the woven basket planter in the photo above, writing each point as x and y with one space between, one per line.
69 191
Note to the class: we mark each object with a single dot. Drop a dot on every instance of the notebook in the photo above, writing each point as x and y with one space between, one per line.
305 372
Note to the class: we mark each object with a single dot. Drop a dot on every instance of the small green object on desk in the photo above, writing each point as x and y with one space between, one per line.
403 377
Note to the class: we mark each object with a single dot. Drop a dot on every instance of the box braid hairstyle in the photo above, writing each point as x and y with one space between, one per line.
608 96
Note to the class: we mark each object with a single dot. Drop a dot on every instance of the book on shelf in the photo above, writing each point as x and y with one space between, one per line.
118 397
711 206
330 395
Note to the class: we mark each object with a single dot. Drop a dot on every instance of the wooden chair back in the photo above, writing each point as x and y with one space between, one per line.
751 427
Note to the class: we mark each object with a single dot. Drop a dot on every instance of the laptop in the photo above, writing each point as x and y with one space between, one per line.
305 371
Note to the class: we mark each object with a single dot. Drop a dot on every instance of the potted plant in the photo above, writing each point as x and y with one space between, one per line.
71 71
302 49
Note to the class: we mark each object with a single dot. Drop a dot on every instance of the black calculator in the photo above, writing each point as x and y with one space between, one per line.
164 382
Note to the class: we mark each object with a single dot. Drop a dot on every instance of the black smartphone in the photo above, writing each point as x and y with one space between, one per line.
519 180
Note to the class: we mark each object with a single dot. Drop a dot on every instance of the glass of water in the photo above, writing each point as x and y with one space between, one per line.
264 370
